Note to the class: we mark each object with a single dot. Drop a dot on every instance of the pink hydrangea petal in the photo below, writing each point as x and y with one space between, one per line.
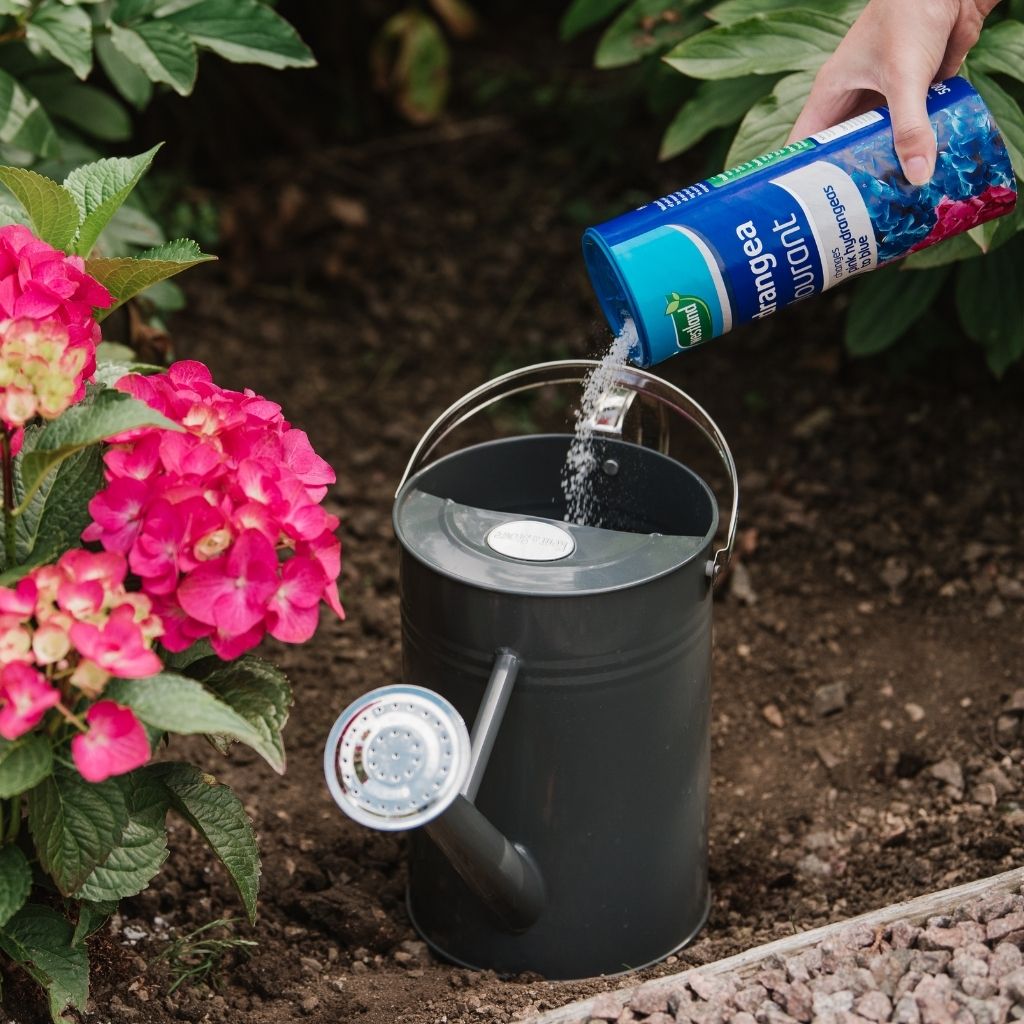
21 601
291 624
231 646
116 743
36 302
25 696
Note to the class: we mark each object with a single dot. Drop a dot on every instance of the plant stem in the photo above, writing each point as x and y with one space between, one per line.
72 718
10 834
10 549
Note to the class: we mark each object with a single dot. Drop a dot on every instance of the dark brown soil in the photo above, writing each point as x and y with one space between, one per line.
884 550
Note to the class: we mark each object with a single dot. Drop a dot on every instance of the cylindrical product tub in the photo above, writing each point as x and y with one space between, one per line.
794 222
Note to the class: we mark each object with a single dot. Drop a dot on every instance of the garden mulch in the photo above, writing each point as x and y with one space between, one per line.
869 653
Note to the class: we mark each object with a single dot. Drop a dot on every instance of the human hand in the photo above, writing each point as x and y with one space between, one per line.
891 54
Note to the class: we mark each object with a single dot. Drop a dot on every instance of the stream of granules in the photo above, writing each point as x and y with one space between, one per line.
580 461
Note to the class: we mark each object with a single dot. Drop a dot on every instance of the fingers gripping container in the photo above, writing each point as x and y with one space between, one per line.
566 832
781 227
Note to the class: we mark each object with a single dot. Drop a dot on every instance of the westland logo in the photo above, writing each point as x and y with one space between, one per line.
691 318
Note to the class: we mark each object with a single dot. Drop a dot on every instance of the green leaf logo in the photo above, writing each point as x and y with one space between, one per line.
691 318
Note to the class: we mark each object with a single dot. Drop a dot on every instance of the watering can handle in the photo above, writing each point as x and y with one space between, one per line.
573 371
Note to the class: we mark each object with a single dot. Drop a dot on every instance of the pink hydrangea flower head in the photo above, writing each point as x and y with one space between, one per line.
38 282
41 371
77 616
115 743
25 696
211 518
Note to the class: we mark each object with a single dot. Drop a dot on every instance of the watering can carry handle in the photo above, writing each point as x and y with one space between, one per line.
573 371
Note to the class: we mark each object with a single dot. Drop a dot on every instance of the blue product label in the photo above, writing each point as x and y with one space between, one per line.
781 227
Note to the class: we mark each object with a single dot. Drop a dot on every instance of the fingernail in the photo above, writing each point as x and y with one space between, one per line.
917 170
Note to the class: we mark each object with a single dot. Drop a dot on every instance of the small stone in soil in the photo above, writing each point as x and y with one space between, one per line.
984 793
914 711
828 757
948 771
773 716
830 698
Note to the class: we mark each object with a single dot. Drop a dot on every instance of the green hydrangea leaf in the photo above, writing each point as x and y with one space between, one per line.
1001 50
52 210
127 276
24 763
142 848
647 27
768 122
102 415
885 304
951 250
39 940
15 881
100 188
65 33
990 302
583 14
55 516
13 215
175 703
24 123
219 817
794 40
91 917
161 50
128 231
84 107
260 693
243 31
715 105
731 11
129 11
75 825
126 76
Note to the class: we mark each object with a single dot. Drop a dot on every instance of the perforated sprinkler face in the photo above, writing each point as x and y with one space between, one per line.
397 757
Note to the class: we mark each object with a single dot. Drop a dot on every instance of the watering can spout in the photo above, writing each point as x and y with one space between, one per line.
501 873
401 758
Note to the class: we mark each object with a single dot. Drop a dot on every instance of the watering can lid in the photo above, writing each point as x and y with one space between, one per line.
530 555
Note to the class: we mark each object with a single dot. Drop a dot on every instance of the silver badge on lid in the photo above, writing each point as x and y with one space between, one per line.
531 541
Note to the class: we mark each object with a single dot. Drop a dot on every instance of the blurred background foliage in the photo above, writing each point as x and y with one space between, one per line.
749 66
620 83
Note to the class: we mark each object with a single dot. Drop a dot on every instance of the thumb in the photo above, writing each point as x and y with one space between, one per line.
912 132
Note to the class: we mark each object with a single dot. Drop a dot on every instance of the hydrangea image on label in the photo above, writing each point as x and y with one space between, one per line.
781 227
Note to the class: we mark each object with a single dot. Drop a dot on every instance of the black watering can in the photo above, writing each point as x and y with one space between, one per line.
568 834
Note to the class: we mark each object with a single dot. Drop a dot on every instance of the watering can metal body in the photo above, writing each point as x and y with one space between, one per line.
573 841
